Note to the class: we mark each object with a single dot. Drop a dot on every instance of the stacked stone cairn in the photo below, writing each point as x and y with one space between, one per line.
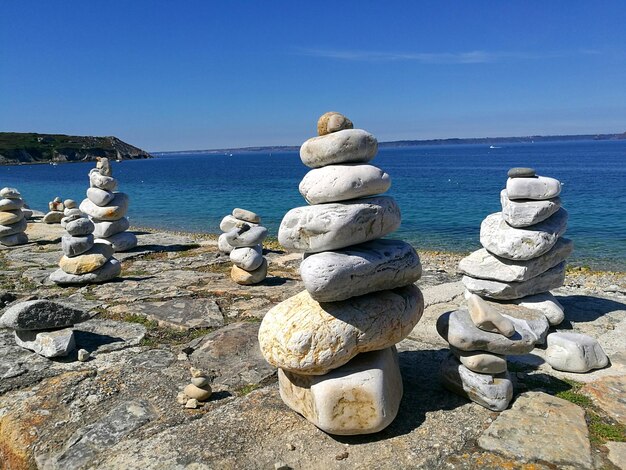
107 208
55 214
12 221
198 391
243 241
43 326
85 260
334 343
509 306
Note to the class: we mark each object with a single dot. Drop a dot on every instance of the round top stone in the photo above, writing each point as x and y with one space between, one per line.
10 193
521 173
333 122
57 199
70 204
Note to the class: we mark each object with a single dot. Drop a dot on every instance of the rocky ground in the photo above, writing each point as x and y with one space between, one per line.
175 307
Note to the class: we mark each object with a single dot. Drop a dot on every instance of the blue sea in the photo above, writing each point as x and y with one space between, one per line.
444 191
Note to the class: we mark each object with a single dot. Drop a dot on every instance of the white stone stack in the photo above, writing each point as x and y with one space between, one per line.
12 220
107 208
243 240
509 306
55 212
334 342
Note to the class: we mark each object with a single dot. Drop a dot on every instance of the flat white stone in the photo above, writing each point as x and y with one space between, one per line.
491 391
97 180
545 303
537 187
52 217
247 258
574 352
100 197
549 280
306 337
500 239
345 146
114 211
79 227
369 267
338 225
108 228
223 245
122 241
335 183
526 212
10 193
53 343
483 265
74 246
481 362
11 204
246 236
360 397
229 222
246 215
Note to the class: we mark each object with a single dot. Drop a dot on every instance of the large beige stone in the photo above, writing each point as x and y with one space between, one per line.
11 217
488 318
481 362
307 337
116 209
89 261
360 397
247 278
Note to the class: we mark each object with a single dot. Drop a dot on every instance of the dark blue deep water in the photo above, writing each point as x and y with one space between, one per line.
444 191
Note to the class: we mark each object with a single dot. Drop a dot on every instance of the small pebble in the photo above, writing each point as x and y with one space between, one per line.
196 372
83 355
182 398
182 357
342 456
200 381
521 173
191 403
291 447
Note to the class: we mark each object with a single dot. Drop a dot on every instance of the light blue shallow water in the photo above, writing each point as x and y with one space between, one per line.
444 191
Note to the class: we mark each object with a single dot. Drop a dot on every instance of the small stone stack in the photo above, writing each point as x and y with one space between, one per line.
509 306
85 260
43 326
334 343
198 391
243 240
12 220
55 214
107 208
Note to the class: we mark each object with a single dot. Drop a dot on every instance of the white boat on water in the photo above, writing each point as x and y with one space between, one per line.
493 147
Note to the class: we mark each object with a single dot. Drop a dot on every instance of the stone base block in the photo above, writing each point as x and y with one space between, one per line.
47 343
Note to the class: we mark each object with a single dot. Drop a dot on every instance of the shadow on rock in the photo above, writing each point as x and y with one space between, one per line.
161 248
274 281
586 308
92 341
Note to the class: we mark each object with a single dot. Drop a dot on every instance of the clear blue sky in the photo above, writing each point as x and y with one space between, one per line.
208 74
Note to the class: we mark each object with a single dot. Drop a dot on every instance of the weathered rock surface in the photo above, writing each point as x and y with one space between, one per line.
335 183
75 246
608 393
345 146
617 454
79 227
18 227
246 236
306 337
47 343
545 303
522 213
483 265
574 352
488 318
369 267
332 122
116 209
106 228
122 241
89 261
229 223
500 239
360 397
97 180
332 226
537 187
246 215
534 420
481 362
41 315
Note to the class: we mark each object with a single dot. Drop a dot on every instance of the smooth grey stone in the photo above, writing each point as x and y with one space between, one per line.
551 279
79 227
459 331
357 270
55 343
122 241
345 146
335 183
526 212
246 236
575 352
111 269
71 218
11 204
70 204
83 355
481 362
28 213
74 211
18 227
247 258
545 303
537 187
223 245
41 315
200 381
338 225
97 180
491 391
108 228
100 197
10 193
483 265
500 239
248 216
74 246
229 222
116 209
52 217
57 199
521 172
14 240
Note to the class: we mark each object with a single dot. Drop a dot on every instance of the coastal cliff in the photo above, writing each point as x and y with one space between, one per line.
17 148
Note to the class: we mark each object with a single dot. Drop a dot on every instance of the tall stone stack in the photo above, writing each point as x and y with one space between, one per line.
55 211
107 208
334 343
243 240
509 306
85 260
12 220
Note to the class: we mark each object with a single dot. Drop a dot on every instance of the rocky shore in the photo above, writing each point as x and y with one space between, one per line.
174 307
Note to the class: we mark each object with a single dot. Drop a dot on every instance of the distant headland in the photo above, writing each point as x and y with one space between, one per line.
411 143
28 148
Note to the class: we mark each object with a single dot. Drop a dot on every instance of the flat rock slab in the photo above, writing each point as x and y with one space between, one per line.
41 315
536 187
541 427
148 242
182 313
609 393
44 233
523 213
617 454
233 354
103 336
47 343
345 146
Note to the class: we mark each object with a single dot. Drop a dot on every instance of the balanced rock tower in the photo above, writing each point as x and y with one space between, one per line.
55 211
107 208
334 343
509 306
12 220
85 260
243 240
